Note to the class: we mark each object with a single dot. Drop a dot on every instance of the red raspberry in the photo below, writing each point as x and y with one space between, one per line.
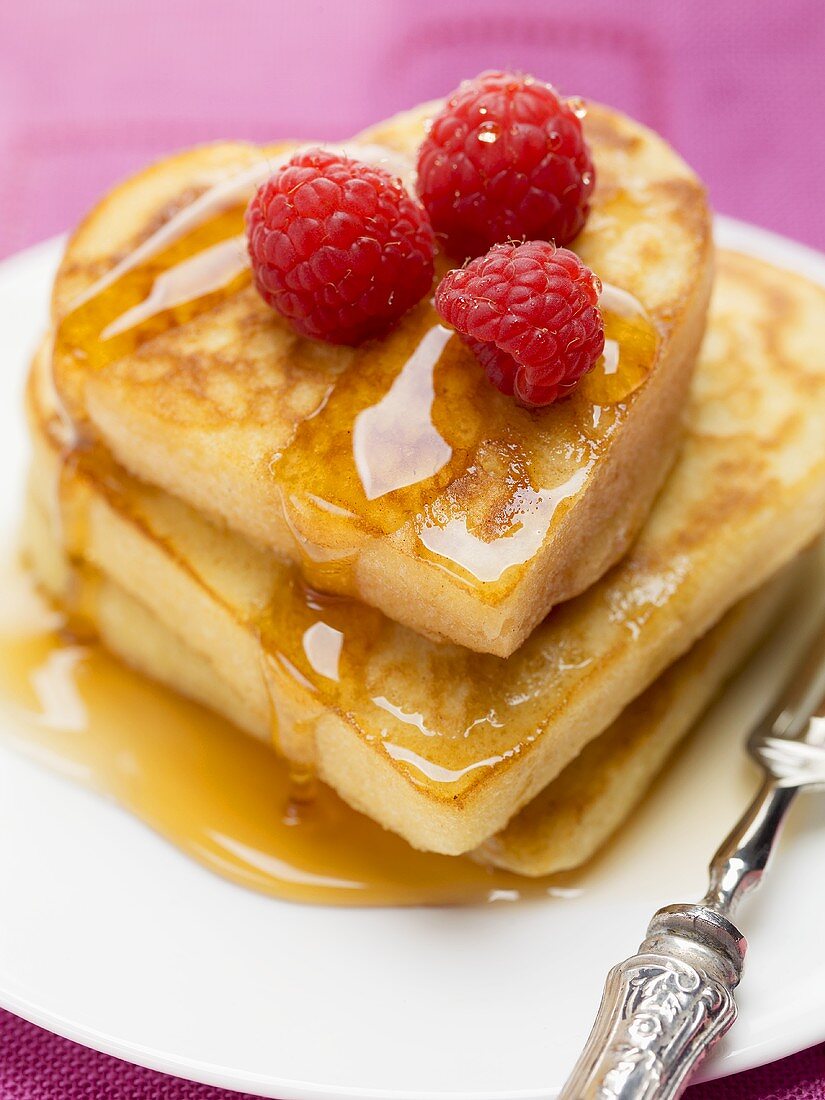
338 247
530 313
505 160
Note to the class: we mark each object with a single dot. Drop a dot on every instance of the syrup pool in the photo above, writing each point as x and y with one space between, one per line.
221 797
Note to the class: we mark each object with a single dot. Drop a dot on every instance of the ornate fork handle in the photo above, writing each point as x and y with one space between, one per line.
663 1009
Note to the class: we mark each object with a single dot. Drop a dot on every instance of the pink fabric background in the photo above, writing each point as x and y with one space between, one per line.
91 89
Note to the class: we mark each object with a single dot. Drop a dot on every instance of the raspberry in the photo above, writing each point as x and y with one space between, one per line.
530 313
505 160
338 247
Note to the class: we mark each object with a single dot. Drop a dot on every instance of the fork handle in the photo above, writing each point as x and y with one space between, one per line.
663 1009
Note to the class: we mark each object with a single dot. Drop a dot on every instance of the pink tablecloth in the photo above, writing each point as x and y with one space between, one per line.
91 89
35 1065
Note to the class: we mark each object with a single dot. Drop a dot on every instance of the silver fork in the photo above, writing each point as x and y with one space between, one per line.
664 1009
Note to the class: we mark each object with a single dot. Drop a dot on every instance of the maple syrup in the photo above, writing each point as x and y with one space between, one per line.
405 431
168 288
321 657
322 654
221 797
406 434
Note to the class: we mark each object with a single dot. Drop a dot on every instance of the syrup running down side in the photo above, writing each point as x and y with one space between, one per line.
307 656
405 435
220 796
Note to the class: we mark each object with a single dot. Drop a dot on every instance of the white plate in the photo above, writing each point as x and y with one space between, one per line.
111 937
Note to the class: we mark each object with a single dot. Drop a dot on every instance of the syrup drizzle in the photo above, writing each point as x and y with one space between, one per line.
407 433
418 396
221 797
323 655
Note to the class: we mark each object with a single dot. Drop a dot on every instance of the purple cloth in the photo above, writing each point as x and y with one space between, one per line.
92 89
35 1065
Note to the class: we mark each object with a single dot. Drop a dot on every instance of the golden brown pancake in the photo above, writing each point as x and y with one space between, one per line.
392 472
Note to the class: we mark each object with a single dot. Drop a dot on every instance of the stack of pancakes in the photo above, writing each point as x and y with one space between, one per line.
485 627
